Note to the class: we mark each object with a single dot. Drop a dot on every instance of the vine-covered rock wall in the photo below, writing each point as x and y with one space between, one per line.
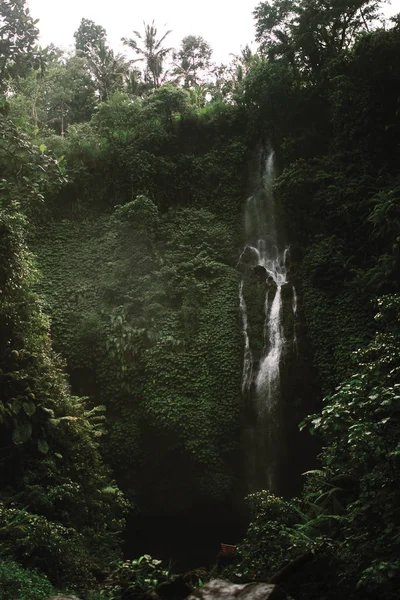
144 308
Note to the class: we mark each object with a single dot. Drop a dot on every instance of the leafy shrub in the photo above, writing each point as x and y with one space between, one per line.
271 537
135 576
17 583
141 214
357 487
57 550
54 511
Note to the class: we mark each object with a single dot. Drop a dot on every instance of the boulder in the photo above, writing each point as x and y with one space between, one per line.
177 589
64 597
260 272
219 589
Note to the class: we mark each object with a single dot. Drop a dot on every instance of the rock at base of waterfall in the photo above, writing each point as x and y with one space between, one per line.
177 589
219 589
64 597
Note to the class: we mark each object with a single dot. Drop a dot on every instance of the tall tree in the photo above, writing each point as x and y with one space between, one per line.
48 439
69 95
89 37
151 50
229 79
18 35
108 70
55 96
192 60
309 32
134 85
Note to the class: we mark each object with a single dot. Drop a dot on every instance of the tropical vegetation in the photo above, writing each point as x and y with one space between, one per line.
122 187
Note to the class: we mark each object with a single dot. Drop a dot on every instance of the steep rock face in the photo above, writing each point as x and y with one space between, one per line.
145 314
149 325
255 286
218 589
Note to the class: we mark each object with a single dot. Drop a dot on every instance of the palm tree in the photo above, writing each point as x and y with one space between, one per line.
181 72
151 50
192 60
108 70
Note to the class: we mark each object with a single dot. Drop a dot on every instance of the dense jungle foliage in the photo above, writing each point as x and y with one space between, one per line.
122 186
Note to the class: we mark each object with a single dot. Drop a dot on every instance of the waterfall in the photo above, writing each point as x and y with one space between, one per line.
248 357
264 254
267 381
294 310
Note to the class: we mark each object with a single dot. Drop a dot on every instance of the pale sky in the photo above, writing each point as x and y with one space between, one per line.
227 25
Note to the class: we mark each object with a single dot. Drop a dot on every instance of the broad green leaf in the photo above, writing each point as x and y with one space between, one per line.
22 433
29 407
43 446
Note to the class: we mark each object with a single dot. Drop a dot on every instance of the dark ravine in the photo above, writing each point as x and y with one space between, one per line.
186 541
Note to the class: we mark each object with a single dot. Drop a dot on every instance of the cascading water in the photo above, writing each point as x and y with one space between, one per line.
247 358
264 259
294 309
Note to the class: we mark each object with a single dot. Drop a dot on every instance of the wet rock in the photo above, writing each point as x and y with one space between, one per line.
192 577
248 256
177 589
287 295
271 283
63 597
218 589
260 272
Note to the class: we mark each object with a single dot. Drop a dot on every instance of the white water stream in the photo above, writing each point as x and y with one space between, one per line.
248 357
